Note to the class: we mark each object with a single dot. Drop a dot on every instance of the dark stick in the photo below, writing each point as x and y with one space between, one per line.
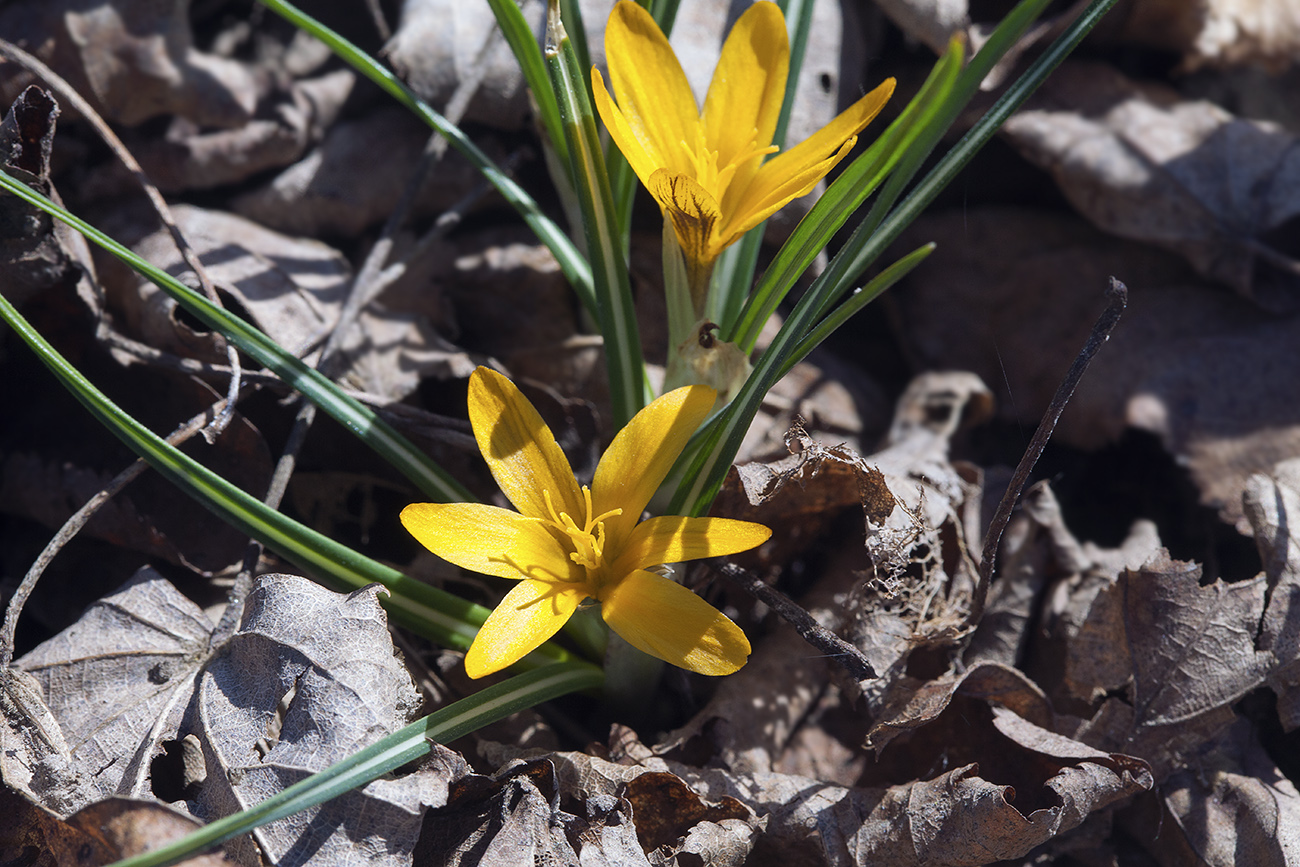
1117 295
844 654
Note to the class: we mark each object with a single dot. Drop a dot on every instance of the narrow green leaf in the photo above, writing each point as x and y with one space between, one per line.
721 440
434 613
572 264
843 198
860 298
361 420
385 756
523 44
614 307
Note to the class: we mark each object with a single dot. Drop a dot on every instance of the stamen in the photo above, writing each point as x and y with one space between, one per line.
588 540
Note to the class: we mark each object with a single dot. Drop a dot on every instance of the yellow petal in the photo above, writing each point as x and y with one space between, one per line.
492 541
815 149
674 539
694 214
519 448
668 621
641 151
791 188
652 90
641 455
531 613
748 87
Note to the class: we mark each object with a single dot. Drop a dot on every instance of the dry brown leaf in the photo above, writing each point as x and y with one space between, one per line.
123 680
1232 807
1272 503
1215 32
324 194
1139 162
957 817
886 616
1042 558
107 831
37 252
1010 295
133 60
118 682
328 656
192 157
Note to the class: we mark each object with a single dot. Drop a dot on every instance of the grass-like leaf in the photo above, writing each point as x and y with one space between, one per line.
434 613
361 420
719 443
614 307
572 264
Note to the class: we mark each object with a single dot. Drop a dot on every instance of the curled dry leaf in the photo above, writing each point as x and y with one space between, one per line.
192 157
100 833
1233 807
323 194
514 818
864 596
1272 504
1141 163
37 252
1162 658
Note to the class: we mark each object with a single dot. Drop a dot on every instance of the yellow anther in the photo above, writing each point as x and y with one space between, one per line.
589 538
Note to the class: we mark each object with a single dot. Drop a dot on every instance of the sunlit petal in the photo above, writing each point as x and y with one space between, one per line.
674 539
814 150
648 80
641 455
491 540
778 197
641 151
531 613
670 622
748 87
519 448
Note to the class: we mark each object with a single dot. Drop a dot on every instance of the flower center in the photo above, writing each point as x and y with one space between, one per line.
589 539
716 179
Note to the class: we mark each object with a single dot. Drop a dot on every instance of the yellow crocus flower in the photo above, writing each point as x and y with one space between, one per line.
706 169
568 542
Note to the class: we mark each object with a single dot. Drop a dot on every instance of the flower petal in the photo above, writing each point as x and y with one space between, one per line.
674 539
695 215
748 87
791 188
813 150
520 449
667 621
641 455
491 540
641 151
531 613
650 85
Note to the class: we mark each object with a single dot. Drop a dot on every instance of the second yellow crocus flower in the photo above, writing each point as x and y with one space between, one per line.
707 168
568 543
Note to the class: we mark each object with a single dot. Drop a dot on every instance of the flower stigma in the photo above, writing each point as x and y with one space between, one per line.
589 540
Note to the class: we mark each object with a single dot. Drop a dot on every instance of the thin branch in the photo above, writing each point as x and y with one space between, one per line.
78 520
837 649
1117 300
